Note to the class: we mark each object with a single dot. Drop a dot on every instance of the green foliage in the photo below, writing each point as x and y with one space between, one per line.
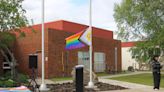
6 80
6 39
1 83
22 78
143 52
12 15
9 83
11 19
7 76
130 68
141 20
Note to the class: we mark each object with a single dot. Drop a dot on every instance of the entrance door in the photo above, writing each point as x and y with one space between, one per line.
83 59
99 62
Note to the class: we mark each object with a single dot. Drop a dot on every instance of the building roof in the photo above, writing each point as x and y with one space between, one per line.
68 26
128 44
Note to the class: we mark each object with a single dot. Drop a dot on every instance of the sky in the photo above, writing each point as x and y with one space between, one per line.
73 10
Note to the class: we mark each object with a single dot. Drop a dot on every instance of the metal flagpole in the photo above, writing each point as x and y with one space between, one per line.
43 86
90 84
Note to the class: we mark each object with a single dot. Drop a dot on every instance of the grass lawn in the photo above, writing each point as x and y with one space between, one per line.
62 79
146 79
102 74
107 74
70 78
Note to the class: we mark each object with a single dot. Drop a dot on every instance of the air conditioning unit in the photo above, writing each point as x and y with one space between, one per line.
6 65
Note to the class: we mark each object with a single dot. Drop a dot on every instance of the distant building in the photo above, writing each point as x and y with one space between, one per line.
60 62
127 59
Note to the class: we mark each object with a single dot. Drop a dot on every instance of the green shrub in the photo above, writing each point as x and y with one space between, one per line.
7 75
22 78
1 83
130 68
9 83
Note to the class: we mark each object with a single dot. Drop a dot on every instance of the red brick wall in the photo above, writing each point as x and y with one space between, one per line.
108 47
29 44
56 46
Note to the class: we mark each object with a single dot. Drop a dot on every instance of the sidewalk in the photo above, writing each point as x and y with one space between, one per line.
119 75
133 87
47 81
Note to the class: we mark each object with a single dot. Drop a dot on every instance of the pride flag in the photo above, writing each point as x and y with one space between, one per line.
79 40
86 37
73 41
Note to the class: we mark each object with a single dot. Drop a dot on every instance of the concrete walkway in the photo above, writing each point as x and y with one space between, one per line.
133 87
119 75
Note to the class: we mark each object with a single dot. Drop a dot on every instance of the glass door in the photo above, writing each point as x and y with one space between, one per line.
99 62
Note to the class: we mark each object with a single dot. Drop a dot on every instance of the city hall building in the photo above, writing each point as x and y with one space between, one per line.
58 60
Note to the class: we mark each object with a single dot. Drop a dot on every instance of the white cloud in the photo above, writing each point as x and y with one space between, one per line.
67 10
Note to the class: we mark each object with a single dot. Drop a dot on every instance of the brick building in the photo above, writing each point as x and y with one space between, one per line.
58 61
127 59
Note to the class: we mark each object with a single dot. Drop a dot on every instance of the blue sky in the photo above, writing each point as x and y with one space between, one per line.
73 10
79 2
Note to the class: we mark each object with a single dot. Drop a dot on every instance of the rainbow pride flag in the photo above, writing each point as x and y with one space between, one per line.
73 41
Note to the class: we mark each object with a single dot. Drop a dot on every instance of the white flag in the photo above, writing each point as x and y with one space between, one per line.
86 37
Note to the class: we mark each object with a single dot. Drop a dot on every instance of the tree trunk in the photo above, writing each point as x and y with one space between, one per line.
140 65
11 62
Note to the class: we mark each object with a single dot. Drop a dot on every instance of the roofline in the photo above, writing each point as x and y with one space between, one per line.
69 22
128 44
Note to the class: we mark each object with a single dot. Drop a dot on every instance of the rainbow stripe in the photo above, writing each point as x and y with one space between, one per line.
73 42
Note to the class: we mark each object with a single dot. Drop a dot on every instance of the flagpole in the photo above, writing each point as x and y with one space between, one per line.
43 86
90 84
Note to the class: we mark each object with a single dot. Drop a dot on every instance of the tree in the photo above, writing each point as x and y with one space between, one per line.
141 20
11 20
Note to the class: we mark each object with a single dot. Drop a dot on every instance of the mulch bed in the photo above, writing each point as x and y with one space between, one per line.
70 87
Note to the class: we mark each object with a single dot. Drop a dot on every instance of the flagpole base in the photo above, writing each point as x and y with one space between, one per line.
91 85
43 88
